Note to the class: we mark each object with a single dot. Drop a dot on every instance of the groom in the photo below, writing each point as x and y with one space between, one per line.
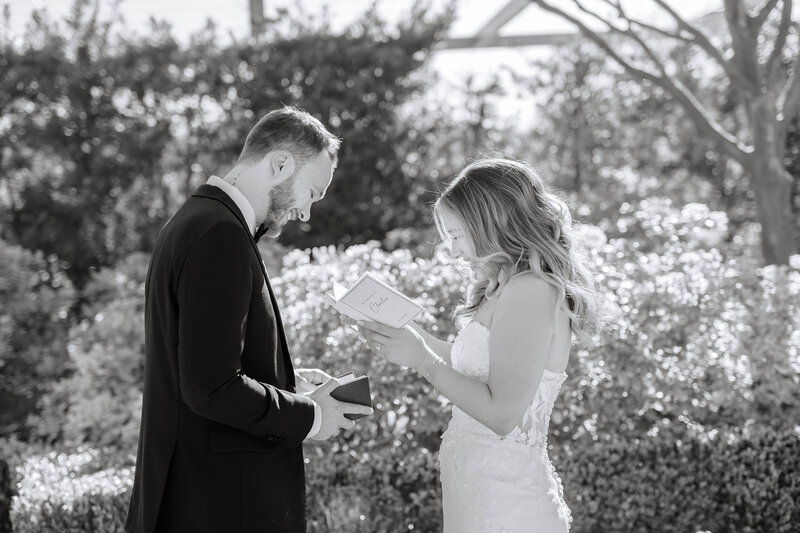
222 417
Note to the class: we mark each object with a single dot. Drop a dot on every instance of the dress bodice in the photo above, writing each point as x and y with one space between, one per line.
470 356
493 484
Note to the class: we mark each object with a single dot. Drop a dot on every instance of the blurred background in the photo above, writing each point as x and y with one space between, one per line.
670 126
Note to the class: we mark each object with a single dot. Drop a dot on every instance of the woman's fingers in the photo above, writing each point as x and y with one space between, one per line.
347 321
380 329
372 336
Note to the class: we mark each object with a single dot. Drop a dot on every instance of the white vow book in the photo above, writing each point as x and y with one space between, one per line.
371 299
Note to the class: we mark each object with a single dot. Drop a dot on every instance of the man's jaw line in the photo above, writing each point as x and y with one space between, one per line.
274 231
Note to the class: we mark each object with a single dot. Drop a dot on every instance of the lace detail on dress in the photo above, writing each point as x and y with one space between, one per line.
493 483
470 356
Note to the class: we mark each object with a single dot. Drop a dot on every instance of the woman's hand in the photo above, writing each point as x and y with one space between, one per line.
308 379
405 346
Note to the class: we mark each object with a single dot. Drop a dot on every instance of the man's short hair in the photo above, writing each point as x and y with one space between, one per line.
289 129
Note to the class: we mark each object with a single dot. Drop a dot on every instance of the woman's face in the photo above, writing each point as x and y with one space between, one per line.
455 236
457 240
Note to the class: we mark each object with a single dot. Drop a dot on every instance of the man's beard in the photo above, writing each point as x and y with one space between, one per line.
280 203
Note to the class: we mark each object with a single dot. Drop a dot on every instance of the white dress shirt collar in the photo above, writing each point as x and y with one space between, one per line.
238 198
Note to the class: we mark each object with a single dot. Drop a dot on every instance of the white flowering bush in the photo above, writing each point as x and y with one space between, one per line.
389 460
696 334
72 492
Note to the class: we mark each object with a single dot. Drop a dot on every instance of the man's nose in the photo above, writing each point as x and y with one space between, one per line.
305 213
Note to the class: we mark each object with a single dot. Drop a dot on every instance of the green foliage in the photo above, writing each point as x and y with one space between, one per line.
35 298
5 497
100 402
607 138
694 337
355 82
104 134
83 144
738 480
388 462
85 490
372 490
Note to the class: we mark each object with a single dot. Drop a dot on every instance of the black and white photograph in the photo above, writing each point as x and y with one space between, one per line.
399 266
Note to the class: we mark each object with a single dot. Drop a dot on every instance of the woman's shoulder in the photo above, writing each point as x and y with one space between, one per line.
528 281
528 298
526 290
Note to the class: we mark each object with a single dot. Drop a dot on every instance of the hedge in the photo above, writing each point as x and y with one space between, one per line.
5 497
737 480
732 481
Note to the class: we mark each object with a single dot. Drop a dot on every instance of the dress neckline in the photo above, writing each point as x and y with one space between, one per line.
486 329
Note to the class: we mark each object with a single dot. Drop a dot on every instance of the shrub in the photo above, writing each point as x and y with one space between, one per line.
388 463
35 300
734 480
5 497
100 402
739 480
372 490
83 491
94 197
696 333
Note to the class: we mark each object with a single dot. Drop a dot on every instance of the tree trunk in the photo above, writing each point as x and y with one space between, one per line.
773 193
771 182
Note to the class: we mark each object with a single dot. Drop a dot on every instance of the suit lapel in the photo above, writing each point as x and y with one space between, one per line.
215 193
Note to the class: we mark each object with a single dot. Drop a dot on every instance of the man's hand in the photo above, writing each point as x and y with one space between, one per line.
333 411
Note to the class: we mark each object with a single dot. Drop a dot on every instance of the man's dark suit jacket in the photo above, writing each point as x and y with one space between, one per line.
220 442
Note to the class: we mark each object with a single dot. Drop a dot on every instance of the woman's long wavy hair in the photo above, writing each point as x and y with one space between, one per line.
516 226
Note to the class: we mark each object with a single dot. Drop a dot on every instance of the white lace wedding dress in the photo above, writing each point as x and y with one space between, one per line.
499 484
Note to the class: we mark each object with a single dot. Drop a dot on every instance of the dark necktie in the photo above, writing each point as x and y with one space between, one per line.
260 231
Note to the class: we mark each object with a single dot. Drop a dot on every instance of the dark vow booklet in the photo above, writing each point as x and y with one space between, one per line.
353 390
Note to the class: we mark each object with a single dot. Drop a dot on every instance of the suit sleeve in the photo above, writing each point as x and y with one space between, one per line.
214 291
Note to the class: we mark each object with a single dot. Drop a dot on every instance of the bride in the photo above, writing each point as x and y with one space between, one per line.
530 294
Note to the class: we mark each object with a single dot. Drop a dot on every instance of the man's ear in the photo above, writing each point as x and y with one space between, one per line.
281 164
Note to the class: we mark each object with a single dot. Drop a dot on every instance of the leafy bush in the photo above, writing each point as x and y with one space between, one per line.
5 497
108 132
82 491
100 402
694 336
388 463
741 480
35 299
373 490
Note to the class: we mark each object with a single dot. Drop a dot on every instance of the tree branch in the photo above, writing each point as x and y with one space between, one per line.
762 16
627 33
774 62
663 32
689 102
745 44
789 99
688 39
649 27
699 38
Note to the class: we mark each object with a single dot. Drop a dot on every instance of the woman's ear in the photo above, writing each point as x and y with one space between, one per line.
282 165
